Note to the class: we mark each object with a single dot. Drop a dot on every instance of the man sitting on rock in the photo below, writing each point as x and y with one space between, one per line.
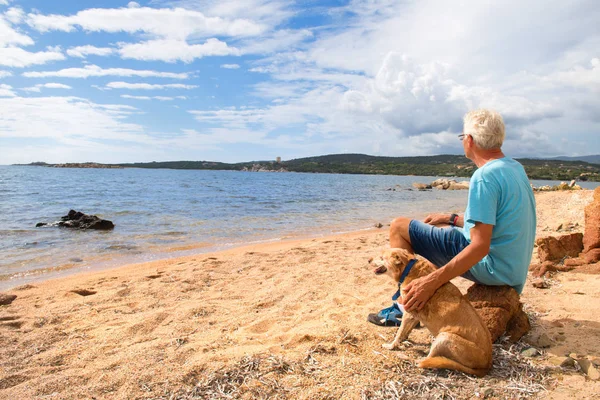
492 243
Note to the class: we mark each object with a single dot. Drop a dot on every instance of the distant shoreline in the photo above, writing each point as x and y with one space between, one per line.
441 165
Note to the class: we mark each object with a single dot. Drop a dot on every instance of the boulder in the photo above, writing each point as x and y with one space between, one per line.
592 256
449 184
556 248
79 220
6 299
500 309
464 185
591 234
421 186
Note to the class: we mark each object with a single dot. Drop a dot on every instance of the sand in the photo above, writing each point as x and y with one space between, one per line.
277 320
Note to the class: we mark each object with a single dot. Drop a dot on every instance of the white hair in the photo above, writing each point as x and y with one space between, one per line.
486 127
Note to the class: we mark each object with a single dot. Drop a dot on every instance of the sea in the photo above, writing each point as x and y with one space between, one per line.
162 213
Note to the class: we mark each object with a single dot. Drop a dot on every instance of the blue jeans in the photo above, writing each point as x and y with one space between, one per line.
438 245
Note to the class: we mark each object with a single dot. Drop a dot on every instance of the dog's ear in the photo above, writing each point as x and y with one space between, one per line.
401 256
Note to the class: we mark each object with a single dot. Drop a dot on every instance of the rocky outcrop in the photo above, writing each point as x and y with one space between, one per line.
561 186
442 184
590 243
591 235
264 168
500 309
553 248
79 220
421 186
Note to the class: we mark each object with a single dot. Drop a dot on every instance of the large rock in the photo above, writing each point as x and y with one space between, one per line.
591 235
79 220
500 309
6 299
556 248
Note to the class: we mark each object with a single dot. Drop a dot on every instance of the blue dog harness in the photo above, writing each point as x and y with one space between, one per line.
403 277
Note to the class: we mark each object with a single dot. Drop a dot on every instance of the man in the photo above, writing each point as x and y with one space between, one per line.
492 243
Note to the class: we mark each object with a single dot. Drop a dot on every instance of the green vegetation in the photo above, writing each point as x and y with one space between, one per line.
441 165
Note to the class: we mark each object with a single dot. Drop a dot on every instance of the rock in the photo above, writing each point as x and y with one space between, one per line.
556 248
458 185
486 392
530 352
574 262
421 186
6 299
379 225
572 183
588 368
564 362
542 341
592 256
591 234
595 361
500 310
76 219
540 283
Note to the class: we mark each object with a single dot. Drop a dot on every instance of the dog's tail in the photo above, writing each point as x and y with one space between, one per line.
443 362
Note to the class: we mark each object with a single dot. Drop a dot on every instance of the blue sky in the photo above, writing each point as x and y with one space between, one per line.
222 80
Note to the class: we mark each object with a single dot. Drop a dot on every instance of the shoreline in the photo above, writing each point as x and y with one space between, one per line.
169 253
165 255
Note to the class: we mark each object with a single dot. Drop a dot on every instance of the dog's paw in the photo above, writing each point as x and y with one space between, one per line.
389 346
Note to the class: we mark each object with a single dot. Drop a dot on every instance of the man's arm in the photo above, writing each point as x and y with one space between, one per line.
443 219
420 290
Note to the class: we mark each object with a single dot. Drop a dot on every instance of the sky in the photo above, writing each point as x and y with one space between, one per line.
245 80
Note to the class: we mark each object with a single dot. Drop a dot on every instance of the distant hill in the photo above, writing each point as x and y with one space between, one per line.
440 165
595 159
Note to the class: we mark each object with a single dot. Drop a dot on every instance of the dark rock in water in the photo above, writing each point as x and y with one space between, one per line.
76 219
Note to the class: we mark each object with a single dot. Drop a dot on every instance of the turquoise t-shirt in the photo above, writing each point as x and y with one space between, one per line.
500 195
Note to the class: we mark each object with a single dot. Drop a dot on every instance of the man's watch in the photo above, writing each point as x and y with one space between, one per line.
453 218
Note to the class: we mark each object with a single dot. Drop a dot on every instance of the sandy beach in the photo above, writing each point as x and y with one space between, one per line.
277 320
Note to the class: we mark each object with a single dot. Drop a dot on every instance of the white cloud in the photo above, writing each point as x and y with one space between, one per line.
40 86
94 70
267 12
9 36
19 58
147 86
230 66
83 51
6 90
177 23
133 4
175 50
15 15
4 2
4 74
160 98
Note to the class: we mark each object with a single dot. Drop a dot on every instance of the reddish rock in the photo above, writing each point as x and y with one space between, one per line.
556 248
574 262
592 256
591 236
500 309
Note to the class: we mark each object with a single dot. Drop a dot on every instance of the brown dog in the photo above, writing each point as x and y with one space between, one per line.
462 342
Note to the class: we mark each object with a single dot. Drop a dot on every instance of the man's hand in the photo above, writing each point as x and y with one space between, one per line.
437 219
418 292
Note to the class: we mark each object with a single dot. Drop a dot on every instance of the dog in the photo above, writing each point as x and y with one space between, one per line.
462 342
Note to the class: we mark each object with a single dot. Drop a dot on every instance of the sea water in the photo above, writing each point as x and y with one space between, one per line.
160 213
